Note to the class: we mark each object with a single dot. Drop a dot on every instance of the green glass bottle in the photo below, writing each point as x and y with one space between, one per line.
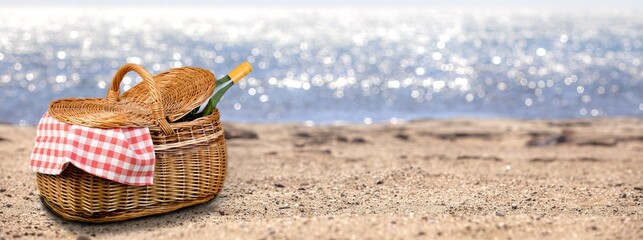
224 83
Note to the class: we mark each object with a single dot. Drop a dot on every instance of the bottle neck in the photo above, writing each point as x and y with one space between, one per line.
223 79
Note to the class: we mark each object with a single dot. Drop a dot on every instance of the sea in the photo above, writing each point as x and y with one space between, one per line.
337 65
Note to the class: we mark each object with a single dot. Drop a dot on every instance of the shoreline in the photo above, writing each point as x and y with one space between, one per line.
401 121
430 178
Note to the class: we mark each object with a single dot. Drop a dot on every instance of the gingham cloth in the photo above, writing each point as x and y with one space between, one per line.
124 155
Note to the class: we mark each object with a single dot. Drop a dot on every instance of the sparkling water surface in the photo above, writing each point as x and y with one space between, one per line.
337 65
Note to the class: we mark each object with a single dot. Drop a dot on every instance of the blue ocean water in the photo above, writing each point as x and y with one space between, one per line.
337 65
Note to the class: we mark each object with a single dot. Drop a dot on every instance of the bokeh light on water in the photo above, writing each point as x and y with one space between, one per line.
320 66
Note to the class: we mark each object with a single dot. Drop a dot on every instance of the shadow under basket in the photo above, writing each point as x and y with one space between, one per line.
190 168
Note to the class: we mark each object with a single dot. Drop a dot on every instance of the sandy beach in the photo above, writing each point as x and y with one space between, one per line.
443 179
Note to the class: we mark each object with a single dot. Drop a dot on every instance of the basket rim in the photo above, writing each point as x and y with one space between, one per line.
154 102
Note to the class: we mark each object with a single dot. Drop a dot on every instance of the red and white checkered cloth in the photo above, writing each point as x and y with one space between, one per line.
124 155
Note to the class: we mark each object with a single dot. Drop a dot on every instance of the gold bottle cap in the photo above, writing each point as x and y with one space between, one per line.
240 71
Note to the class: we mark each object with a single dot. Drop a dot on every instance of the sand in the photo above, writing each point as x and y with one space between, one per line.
444 179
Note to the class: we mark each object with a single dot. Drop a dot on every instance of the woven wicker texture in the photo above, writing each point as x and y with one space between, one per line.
190 165
190 169
183 89
155 101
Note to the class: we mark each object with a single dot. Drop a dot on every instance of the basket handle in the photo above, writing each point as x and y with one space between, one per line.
158 113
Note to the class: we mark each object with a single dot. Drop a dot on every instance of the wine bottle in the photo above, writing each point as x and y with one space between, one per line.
224 83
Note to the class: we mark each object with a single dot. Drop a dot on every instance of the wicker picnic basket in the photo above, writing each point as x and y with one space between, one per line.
190 165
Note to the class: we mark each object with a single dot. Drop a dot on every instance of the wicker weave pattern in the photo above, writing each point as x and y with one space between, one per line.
165 97
179 98
184 176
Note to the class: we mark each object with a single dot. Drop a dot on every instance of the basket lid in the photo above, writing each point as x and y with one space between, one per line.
155 101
